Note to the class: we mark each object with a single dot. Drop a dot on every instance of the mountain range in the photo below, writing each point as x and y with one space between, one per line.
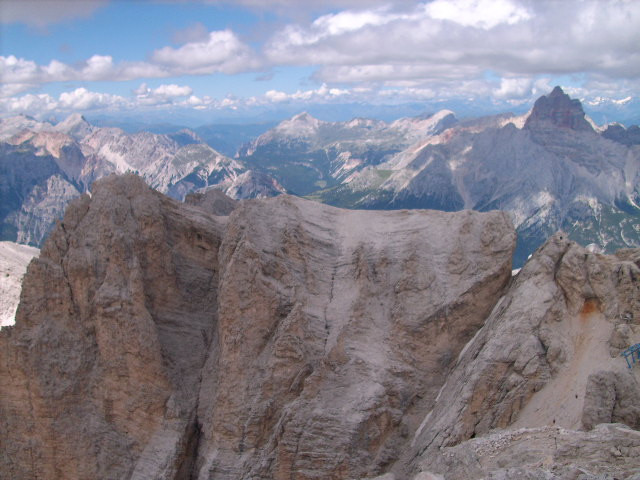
43 166
551 169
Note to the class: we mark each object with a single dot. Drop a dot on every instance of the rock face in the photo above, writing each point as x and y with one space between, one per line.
546 453
547 355
194 346
123 330
14 259
294 340
558 110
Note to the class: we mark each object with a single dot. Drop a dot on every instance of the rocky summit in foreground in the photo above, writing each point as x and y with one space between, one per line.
285 339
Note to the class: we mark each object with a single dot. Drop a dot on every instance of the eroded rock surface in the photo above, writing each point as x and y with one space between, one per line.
547 453
350 324
98 375
14 259
546 355
293 340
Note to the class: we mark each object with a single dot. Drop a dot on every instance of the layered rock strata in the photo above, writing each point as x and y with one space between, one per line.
282 338
156 340
13 264
548 355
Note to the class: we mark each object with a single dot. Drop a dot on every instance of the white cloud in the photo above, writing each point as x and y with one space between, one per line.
321 94
484 14
34 104
455 40
12 89
276 96
98 67
349 21
79 99
83 99
514 88
173 90
164 94
17 70
221 52
391 50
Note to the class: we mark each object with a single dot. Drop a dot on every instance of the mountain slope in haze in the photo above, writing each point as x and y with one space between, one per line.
43 166
229 138
552 172
292 340
306 154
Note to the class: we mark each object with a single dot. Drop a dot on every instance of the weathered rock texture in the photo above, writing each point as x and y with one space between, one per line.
546 355
547 453
13 263
99 373
293 340
348 329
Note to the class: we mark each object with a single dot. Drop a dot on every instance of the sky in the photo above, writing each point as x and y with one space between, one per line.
212 56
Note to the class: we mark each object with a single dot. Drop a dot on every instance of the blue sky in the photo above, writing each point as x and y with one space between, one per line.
59 56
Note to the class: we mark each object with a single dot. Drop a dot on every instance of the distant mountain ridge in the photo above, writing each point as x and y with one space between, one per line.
306 154
550 169
43 166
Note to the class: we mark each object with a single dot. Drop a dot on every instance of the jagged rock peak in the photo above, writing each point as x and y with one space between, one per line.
558 110
300 124
303 117
76 126
360 122
74 119
626 136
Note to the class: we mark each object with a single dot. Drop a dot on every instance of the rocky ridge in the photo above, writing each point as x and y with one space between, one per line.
282 338
44 166
306 154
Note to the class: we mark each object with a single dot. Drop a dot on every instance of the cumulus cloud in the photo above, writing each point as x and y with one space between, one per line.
161 95
514 88
79 99
321 94
391 50
222 51
461 39
30 103
484 14
15 70
83 99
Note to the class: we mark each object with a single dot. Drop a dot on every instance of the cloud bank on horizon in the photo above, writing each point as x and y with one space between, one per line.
286 51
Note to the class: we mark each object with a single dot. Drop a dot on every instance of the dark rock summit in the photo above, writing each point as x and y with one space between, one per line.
558 110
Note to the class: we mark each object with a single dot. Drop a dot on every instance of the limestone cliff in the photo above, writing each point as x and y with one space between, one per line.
290 339
13 264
